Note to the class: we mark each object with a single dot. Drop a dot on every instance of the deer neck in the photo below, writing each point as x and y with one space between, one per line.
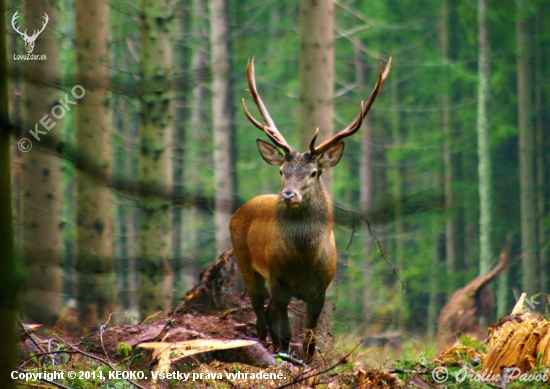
305 227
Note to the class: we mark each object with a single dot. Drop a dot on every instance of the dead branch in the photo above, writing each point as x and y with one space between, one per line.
341 361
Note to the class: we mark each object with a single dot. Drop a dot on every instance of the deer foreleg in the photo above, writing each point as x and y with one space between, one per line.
277 318
313 312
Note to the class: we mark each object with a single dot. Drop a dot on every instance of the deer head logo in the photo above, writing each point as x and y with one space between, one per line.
29 40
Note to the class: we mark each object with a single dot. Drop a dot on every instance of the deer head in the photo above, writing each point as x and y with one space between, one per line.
29 40
301 172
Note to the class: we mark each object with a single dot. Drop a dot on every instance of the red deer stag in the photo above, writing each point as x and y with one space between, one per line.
287 238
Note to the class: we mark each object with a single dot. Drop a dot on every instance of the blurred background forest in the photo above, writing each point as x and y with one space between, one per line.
128 192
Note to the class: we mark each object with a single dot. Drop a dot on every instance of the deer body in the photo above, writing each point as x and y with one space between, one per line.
276 244
287 239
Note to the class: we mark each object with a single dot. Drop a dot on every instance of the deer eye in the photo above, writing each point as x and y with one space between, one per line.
280 172
313 174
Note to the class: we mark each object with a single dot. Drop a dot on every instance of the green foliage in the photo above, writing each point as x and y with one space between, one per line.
472 343
123 349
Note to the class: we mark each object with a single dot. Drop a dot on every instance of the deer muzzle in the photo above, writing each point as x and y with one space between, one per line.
289 196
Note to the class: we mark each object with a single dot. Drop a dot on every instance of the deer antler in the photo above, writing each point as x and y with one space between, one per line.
356 123
13 19
269 126
35 32
44 24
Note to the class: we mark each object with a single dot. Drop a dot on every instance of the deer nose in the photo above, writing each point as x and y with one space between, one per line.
288 195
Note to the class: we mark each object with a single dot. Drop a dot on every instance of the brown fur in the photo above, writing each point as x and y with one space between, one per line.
288 243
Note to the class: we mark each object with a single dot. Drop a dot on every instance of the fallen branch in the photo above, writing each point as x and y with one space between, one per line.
342 360
48 353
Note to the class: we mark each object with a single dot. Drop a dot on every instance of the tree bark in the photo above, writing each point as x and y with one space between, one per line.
222 123
397 184
9 289
366 180
316 72
433 281
198 126
181 130
527 149
155 164
94 225
450 224
483 143
42 185
541 142
397 188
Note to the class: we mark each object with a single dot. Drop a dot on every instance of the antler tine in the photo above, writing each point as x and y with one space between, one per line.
263 127
356 123
44 24
13 20
269 126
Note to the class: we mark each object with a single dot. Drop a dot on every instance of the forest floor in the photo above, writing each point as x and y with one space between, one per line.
209 341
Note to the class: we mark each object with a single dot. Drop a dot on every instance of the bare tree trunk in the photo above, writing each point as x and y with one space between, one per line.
14 85
483 144
155 164
94 225
366 179
198 125
527 149
541 141
316 73
433 282
9 282
397 187
222 113
121 171
181 135
450 225
502 291
42 185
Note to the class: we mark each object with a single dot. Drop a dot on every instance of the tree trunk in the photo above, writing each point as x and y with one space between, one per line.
433 282
155 164
316 73
8 276
528 194
397 187
198 127
181 130
450 224
366 180
222 123
42 187
483 143
94 225
541 141
14 84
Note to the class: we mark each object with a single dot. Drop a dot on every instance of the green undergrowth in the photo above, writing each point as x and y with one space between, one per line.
465 371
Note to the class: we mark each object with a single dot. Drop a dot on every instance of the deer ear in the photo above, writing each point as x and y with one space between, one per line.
331 156
270 153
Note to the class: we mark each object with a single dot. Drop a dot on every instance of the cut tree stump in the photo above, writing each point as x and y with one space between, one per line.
518 340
